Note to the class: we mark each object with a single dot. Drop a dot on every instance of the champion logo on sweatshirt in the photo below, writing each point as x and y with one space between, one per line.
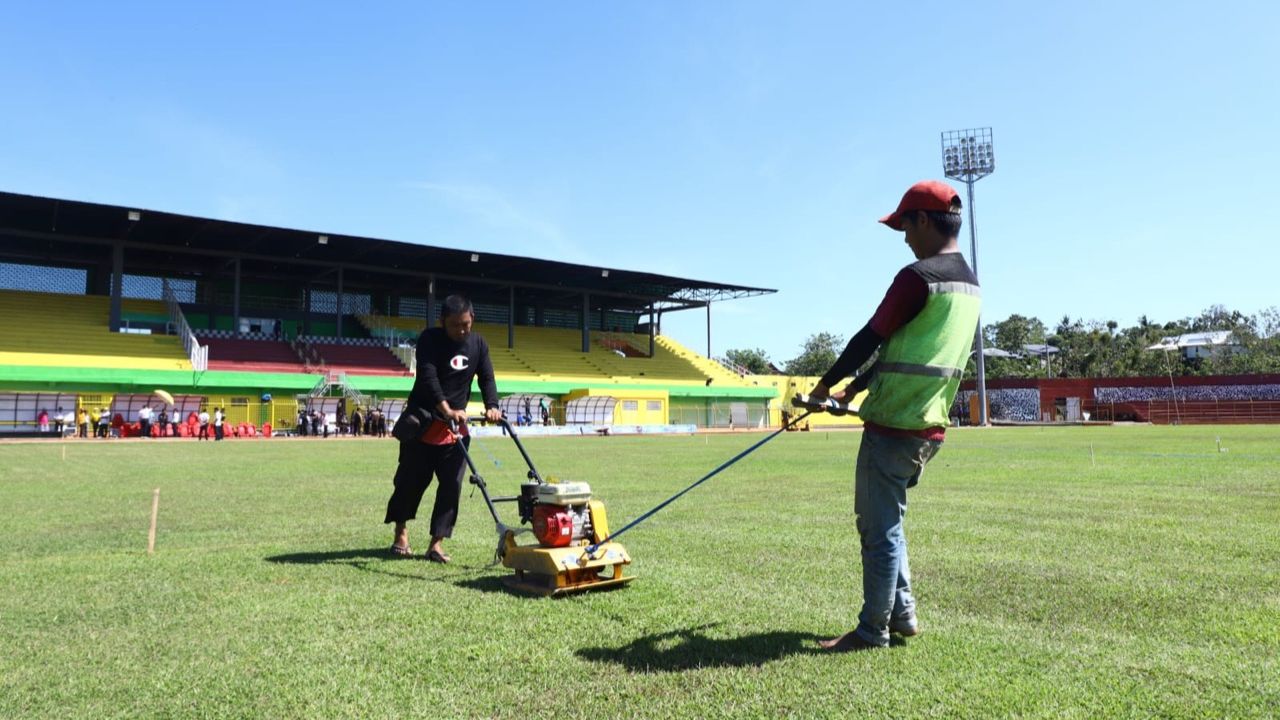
458 362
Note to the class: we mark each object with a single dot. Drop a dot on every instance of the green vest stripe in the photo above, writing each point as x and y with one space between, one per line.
926 370
962 288
920 365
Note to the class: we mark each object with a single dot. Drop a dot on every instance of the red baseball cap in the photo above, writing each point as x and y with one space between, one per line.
927 195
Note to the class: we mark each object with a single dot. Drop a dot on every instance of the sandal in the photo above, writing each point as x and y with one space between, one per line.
401 551
438 557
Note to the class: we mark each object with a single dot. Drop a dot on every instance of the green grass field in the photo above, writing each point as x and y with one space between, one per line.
1141 580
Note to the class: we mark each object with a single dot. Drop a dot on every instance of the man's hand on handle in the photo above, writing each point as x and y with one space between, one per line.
493 415
819 393
448 414
845 396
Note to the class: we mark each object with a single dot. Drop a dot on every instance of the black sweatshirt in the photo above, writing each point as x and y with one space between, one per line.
446 369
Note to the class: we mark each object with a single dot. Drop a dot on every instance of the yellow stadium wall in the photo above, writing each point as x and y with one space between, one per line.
787 387
641 414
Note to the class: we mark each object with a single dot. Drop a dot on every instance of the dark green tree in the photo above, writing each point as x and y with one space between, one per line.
817 355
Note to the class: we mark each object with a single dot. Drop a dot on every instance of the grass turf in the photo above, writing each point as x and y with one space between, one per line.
1071 572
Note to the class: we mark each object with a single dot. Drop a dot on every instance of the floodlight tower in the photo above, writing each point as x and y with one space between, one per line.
967 156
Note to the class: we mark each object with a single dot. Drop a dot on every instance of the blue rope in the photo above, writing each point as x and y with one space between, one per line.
724 466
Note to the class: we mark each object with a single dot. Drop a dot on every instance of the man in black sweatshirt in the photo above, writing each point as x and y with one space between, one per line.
449 358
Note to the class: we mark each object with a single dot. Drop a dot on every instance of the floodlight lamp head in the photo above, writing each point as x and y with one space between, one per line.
968 155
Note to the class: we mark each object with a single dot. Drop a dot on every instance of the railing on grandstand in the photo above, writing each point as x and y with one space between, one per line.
197 353
351 392
1190 412
731 366
398 341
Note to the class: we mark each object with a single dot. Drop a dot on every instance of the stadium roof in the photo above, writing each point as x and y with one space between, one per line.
74 233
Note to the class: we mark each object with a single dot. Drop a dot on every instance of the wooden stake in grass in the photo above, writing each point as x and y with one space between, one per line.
155 510
1092 459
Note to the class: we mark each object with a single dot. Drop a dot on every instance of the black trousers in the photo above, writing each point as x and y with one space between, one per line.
418 462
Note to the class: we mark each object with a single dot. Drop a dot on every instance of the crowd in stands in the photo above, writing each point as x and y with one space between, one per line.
1009 404
1186 393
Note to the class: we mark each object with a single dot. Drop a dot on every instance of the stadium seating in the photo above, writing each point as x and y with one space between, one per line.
358 359
557 353
48 329
251 355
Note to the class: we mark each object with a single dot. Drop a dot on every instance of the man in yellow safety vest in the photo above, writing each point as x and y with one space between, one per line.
923 330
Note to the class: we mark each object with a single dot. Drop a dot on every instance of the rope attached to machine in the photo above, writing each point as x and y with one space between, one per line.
591 549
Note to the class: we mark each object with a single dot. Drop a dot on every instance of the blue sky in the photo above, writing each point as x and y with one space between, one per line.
743 142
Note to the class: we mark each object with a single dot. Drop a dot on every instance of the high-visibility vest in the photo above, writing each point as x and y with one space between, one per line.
920 365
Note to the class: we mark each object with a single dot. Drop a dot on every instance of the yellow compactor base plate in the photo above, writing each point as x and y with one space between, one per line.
545 586
560 571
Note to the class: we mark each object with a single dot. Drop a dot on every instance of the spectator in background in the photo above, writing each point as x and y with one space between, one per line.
69 422
57 421
368 422
302 422
162 422
218 418
204 426
542 410
117 425
382 423
42 421
144 421
103 422
84 423
356 422
173 420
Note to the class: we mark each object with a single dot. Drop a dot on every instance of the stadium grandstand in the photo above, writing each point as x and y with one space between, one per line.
1182 399
105 304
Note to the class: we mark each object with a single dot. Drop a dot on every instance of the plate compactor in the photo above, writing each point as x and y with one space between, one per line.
575 549
572 553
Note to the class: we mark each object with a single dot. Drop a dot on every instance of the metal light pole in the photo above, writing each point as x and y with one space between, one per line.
967 156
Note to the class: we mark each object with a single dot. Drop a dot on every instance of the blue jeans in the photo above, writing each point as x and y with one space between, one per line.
887 466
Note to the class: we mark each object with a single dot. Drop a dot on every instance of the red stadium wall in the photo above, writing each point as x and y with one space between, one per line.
1160 411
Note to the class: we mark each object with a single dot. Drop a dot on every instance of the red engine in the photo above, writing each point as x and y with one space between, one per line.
553 525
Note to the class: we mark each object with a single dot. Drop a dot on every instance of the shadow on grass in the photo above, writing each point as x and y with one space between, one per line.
497 584
378 560
691 649
333 556
488 583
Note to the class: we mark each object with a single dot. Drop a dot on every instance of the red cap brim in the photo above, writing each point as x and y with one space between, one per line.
893 220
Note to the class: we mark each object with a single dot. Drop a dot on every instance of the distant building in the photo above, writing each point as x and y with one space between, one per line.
1200 345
